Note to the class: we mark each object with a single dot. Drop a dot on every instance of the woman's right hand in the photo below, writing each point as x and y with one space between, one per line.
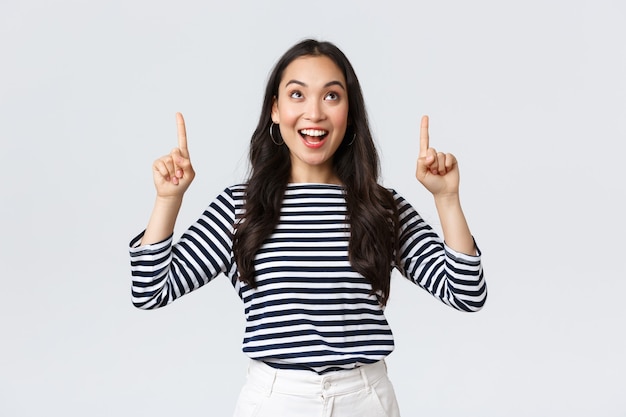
174 173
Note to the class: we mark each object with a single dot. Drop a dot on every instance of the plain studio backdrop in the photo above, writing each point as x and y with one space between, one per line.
530 96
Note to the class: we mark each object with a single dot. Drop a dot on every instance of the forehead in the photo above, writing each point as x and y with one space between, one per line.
313 70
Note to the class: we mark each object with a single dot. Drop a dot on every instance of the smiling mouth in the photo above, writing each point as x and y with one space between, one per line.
313 136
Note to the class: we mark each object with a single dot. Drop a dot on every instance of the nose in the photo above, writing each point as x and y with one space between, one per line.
314 110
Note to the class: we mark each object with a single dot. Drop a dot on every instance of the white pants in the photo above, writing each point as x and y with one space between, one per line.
364 392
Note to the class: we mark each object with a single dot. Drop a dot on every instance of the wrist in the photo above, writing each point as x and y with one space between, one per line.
168 201
447 200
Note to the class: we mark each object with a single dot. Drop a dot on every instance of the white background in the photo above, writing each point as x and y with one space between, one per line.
530 96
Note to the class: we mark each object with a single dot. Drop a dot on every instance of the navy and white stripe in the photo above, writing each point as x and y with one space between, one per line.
311 310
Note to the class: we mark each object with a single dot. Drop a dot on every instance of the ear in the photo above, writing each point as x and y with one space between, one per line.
275 116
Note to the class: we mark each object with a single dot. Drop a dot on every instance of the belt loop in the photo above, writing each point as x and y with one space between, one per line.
364 377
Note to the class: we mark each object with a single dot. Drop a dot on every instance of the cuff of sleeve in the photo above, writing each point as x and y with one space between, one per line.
464 257
136 249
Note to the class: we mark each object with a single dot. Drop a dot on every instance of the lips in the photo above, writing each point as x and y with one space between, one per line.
313 137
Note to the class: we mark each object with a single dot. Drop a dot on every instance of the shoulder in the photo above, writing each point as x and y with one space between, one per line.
236 192
396 195
404 206
229 201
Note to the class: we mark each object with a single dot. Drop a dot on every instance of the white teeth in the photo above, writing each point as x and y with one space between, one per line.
313 132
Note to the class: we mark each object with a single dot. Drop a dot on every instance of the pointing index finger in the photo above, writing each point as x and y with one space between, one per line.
182 135
424 140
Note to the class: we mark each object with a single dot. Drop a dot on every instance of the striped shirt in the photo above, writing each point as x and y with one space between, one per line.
311 309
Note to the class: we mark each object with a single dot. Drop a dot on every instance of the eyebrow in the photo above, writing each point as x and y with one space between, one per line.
328 84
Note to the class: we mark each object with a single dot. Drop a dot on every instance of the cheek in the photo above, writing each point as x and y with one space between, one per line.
288 116
340 119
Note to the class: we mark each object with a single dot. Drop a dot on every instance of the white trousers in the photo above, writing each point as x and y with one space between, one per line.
364 392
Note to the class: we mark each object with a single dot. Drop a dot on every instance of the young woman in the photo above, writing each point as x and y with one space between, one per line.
309 243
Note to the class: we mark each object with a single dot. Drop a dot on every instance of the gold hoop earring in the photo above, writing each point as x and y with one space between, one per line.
272 136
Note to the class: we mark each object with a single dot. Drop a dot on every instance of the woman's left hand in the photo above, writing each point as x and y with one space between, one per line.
437 171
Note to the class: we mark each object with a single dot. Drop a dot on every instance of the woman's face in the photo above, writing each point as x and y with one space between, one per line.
311 110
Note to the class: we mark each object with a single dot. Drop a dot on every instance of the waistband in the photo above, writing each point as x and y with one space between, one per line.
303 382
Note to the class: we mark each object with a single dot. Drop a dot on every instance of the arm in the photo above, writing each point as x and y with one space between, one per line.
451 271
162 273
456 232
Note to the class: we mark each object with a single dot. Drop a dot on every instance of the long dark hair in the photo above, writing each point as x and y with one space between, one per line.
371 209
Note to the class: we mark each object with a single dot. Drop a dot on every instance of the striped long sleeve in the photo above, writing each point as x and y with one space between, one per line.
455 278
163 272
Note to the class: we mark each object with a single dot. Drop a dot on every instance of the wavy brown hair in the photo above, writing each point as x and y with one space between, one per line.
371 210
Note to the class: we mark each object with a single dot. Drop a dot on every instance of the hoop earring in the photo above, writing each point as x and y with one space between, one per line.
352 141
272 136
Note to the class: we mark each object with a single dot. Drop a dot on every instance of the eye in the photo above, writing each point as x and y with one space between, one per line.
295 94
332 96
